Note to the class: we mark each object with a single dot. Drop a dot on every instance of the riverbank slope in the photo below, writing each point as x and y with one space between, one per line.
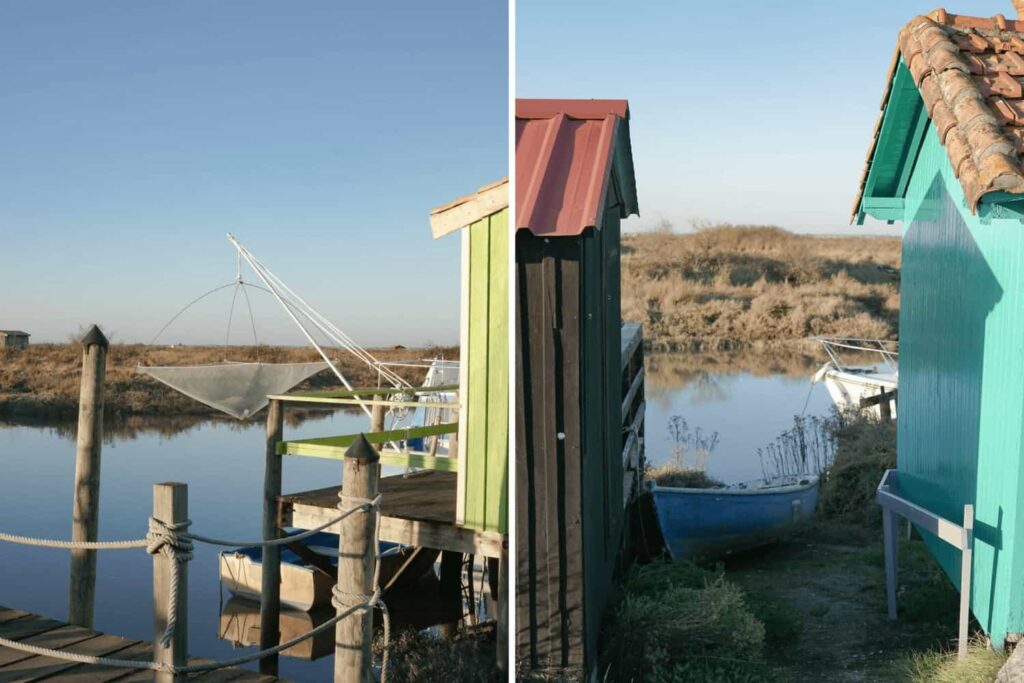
42 381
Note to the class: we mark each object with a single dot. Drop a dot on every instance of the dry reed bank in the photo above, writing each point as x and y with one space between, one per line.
727 287
42 381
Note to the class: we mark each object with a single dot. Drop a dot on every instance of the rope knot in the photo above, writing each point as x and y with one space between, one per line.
170 539
364 504
173 542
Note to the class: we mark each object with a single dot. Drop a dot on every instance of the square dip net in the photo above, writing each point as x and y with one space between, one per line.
238 389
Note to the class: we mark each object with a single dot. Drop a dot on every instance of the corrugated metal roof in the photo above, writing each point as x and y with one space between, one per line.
569 154
14 333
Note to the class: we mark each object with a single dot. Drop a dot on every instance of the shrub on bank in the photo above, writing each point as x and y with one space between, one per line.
676 622
865 449
420 656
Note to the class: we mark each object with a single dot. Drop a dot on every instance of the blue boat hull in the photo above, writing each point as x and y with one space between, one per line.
703 524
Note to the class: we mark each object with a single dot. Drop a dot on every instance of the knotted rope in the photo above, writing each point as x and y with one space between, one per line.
351 602
171 541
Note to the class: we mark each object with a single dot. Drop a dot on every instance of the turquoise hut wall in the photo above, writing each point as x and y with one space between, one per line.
961 402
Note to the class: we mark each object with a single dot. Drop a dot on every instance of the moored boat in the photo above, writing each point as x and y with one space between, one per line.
859 369
309 569
702 524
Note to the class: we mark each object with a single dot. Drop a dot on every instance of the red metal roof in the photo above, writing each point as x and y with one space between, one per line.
568 155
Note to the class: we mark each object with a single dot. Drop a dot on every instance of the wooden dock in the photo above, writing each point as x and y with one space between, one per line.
418 510
16 666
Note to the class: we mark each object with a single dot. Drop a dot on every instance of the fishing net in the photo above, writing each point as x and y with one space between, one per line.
238 389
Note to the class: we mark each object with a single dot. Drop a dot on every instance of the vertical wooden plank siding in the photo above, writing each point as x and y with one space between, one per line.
525 494
961 409
496 507
485 407
549 562
569 445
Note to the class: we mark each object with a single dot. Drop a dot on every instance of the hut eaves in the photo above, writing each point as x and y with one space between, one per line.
968 71
569 153
466 210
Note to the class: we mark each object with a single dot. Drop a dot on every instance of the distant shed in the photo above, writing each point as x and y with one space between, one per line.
482 493
946 162
13 339
574 184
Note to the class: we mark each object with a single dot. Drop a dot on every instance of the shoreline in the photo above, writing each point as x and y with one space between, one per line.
41 382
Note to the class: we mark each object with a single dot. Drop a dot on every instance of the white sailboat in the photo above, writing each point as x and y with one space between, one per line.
858 369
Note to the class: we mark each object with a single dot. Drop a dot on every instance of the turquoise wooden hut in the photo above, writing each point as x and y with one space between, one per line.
946 162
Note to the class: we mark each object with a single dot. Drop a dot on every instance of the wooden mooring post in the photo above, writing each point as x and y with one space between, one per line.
357 557
270 598
170 505
86 511
377 413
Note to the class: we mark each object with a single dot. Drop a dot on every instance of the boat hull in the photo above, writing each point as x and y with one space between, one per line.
847 389
704 524
304 587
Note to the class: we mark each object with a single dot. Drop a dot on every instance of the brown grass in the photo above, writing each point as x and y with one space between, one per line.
729 286
42 381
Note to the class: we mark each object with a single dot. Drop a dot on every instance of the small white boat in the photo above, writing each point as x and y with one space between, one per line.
859 369
309 570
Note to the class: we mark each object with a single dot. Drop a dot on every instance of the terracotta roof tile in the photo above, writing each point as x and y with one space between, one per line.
968 71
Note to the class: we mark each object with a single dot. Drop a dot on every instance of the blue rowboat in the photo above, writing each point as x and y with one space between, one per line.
702 524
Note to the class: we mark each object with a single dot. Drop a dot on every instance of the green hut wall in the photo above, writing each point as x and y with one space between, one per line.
961 394
483 438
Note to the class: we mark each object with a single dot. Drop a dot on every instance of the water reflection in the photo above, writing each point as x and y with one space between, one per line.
748 397
117 429
222 461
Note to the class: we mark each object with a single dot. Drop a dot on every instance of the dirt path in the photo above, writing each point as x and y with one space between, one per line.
839 589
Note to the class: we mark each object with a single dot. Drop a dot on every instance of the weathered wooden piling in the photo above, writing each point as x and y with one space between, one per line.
270 598
170 506
357 549
377 413
86 511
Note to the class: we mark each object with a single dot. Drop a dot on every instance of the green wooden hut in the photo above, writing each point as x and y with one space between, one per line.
946 162
482 494
574 184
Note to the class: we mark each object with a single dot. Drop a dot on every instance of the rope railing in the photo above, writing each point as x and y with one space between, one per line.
175 542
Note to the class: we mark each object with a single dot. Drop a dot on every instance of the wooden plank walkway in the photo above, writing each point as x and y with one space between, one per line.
18 666
418 510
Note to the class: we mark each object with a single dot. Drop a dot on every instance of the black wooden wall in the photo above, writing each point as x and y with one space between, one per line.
569 514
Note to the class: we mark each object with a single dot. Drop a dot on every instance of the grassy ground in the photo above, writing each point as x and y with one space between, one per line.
819 596
727 286
42 381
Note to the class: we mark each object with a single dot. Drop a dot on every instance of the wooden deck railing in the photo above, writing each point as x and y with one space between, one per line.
633 405
333 447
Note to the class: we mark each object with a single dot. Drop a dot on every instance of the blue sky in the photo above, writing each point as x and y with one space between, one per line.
742 111
134 135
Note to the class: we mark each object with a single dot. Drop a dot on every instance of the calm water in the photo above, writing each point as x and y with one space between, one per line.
223 466
747 407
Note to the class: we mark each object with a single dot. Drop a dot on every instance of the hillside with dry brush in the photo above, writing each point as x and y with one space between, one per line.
727 287
43 379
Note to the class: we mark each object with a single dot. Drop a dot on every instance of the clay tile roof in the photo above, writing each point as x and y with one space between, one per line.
569 154
467 210
970 73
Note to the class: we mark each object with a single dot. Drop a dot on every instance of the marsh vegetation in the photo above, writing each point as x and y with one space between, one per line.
724 287
42 381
